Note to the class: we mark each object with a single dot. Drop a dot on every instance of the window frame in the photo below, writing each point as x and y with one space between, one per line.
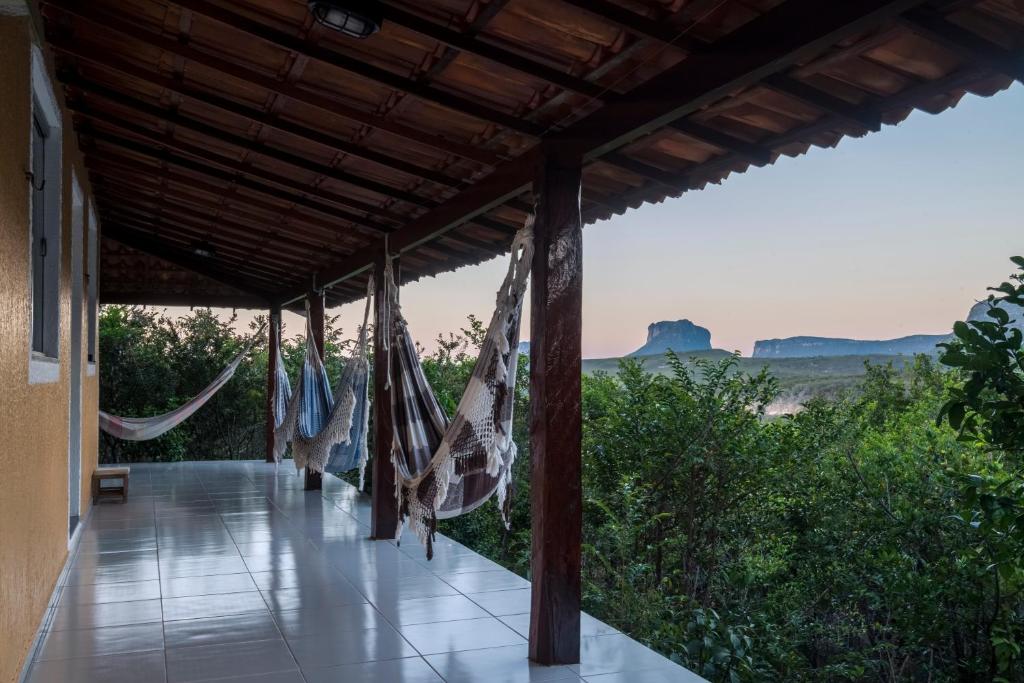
92 265
44 366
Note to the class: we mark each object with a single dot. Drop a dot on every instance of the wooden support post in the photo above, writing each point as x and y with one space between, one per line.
384 517
315 480
555 415
273 339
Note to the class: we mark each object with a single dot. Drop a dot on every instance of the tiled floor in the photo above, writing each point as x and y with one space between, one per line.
228 571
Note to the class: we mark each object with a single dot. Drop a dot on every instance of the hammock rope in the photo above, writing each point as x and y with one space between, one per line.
326 433
448 467
146 428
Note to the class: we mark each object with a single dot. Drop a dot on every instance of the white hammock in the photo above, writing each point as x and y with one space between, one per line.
445 468
145 428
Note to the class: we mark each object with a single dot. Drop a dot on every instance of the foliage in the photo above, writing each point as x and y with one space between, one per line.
151 363
990 404
988 409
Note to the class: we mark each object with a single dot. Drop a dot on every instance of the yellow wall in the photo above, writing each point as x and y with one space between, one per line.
33 418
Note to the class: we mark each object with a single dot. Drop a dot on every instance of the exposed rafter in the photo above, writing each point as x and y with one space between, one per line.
704 77
458 40
685 180
935 27
292 245
210 157
636 23
851 113
332 106
176 256
180 121
327 211
137 175
359 68
256 116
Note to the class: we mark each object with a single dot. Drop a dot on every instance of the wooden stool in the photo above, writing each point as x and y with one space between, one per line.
102 473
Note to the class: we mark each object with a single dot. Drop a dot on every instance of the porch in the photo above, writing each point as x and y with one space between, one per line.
241 153
231 571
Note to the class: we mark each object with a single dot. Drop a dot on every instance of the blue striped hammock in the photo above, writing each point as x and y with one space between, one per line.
327 429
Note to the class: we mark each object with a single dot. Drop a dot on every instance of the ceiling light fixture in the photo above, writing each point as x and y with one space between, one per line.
353 18
203 249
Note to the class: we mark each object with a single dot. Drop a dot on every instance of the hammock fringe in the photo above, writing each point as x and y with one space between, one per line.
326 433
448 467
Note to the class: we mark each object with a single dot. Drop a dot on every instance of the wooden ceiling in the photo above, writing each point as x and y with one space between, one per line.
240 153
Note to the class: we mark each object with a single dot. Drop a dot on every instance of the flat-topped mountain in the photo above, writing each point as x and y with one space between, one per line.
808 347
680 336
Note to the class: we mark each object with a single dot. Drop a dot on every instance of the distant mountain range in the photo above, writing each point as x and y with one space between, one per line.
684 336
808 347
805 367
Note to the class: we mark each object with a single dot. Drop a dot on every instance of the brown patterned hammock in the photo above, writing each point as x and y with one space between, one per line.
448 467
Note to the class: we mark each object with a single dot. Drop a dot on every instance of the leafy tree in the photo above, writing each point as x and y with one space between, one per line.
988 409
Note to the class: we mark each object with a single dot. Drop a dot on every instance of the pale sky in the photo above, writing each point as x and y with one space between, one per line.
896 233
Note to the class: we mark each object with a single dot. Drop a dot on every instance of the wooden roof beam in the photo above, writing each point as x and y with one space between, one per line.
179 120
764 46
129 174
798 90
458 40
240 168
637 167
935 27
326 139
757 154
484 14
271 266
170 299
357 67
357 223
637 24
335 107
161 250
908 97
284 243
274 275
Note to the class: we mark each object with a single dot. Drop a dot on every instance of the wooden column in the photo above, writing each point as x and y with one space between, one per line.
555 416
273 339
384 517
315 480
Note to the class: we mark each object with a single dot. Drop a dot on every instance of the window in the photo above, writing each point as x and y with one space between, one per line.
92 265
44 177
